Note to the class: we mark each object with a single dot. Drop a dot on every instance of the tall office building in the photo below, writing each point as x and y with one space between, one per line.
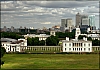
12 29
66 24
5 29
63 22
78 20
84 20
92 20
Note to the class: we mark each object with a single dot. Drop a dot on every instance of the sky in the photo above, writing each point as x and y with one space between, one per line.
39 14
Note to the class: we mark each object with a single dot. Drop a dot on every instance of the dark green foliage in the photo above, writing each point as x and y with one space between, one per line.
81 36
35 42
89 38
11 35
52 41
71 35
42 42
96 42
2 51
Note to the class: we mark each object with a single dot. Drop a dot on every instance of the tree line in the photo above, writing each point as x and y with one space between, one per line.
12 35
50 41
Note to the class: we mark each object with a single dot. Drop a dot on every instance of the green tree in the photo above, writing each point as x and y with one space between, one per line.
2 51
52 41
89 38
29 41
81 36
42 43
96 42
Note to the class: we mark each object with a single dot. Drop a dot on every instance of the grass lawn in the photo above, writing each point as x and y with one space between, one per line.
51 61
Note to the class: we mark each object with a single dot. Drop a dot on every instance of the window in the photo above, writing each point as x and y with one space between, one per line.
81 44
77 49
8 48
65 49
84 44
84 49
88 44
69 44
88 49
81 49
73 49
65 44
69 48
73 44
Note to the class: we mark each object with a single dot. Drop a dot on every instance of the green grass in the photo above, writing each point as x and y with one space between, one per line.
51 61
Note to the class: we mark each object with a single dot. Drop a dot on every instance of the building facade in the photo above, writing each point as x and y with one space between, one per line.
15 45
78 20
41 36
77 45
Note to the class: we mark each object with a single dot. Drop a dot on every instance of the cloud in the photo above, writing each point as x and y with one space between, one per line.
43 13
46 23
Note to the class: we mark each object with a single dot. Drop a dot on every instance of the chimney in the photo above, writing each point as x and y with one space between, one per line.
67 38
85 39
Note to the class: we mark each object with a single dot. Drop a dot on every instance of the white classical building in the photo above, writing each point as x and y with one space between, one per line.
75 45
12 45
40 36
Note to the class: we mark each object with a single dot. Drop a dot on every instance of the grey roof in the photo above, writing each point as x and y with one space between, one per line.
7 40
76 41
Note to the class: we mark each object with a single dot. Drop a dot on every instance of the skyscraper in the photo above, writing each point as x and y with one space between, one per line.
92 20
66 24
78 20
63 22
84 20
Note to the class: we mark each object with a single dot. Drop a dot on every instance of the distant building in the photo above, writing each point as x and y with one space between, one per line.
85 21
78 20
92 20
5 29
12 45
40 36
12 29
66 24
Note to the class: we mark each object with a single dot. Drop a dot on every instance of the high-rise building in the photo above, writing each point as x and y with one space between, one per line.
92 20
78 20
63 22
12 29
66 24
85 21
69 22
4 29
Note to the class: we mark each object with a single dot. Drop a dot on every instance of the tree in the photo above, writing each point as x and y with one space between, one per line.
89 38
81 36
42 42
2 51
52 41
96 42
29 41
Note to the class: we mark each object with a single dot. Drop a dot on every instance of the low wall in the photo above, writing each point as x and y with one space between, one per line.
43 49
43 46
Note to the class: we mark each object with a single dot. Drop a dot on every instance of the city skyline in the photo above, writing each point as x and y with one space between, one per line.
39 14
